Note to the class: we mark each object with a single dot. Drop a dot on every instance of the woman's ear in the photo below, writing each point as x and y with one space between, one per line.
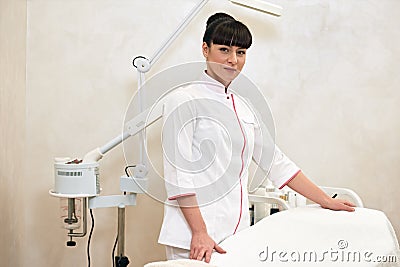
205 49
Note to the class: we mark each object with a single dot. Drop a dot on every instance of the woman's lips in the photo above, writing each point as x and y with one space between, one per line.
229 69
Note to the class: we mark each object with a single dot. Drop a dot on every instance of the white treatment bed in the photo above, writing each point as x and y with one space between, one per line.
309 236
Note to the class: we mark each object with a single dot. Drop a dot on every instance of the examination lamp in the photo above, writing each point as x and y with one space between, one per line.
77 182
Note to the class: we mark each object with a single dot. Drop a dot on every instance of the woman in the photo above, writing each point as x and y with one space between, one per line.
209 203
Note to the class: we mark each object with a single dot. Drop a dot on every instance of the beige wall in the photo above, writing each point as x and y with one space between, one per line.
329 70
12 130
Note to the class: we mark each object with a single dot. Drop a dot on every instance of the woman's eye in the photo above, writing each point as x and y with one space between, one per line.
241 52
224 49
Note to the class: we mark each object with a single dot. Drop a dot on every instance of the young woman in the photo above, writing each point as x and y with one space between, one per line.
208 203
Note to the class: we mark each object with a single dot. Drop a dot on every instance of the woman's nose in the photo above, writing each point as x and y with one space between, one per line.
232 58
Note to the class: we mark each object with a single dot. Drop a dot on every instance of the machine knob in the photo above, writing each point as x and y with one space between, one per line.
71 243
140 171
142 64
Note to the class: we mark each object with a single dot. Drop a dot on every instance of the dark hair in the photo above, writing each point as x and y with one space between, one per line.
223 29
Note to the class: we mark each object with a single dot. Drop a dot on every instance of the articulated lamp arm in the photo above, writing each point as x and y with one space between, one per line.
134 126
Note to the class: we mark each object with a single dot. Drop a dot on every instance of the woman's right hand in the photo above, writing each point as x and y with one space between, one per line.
202 246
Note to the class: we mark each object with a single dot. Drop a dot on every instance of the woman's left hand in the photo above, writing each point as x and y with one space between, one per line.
338 204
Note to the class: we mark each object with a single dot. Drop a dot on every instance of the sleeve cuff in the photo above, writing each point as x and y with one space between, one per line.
181 195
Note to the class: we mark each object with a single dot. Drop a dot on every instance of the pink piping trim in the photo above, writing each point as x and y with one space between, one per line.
241 170
291 178
181 195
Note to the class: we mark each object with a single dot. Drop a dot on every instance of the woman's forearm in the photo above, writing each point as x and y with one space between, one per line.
304 186
307 188
192 214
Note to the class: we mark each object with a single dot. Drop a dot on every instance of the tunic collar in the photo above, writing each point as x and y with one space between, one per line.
213 84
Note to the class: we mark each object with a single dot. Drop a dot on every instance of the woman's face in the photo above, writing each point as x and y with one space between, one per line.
230 61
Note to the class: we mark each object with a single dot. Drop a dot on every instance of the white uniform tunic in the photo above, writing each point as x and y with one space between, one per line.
208 144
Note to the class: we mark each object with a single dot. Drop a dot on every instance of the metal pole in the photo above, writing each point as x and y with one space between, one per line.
121 230
121 260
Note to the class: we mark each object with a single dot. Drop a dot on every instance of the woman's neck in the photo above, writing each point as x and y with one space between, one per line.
218 79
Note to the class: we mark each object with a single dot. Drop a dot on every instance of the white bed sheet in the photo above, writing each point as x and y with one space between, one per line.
312 236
